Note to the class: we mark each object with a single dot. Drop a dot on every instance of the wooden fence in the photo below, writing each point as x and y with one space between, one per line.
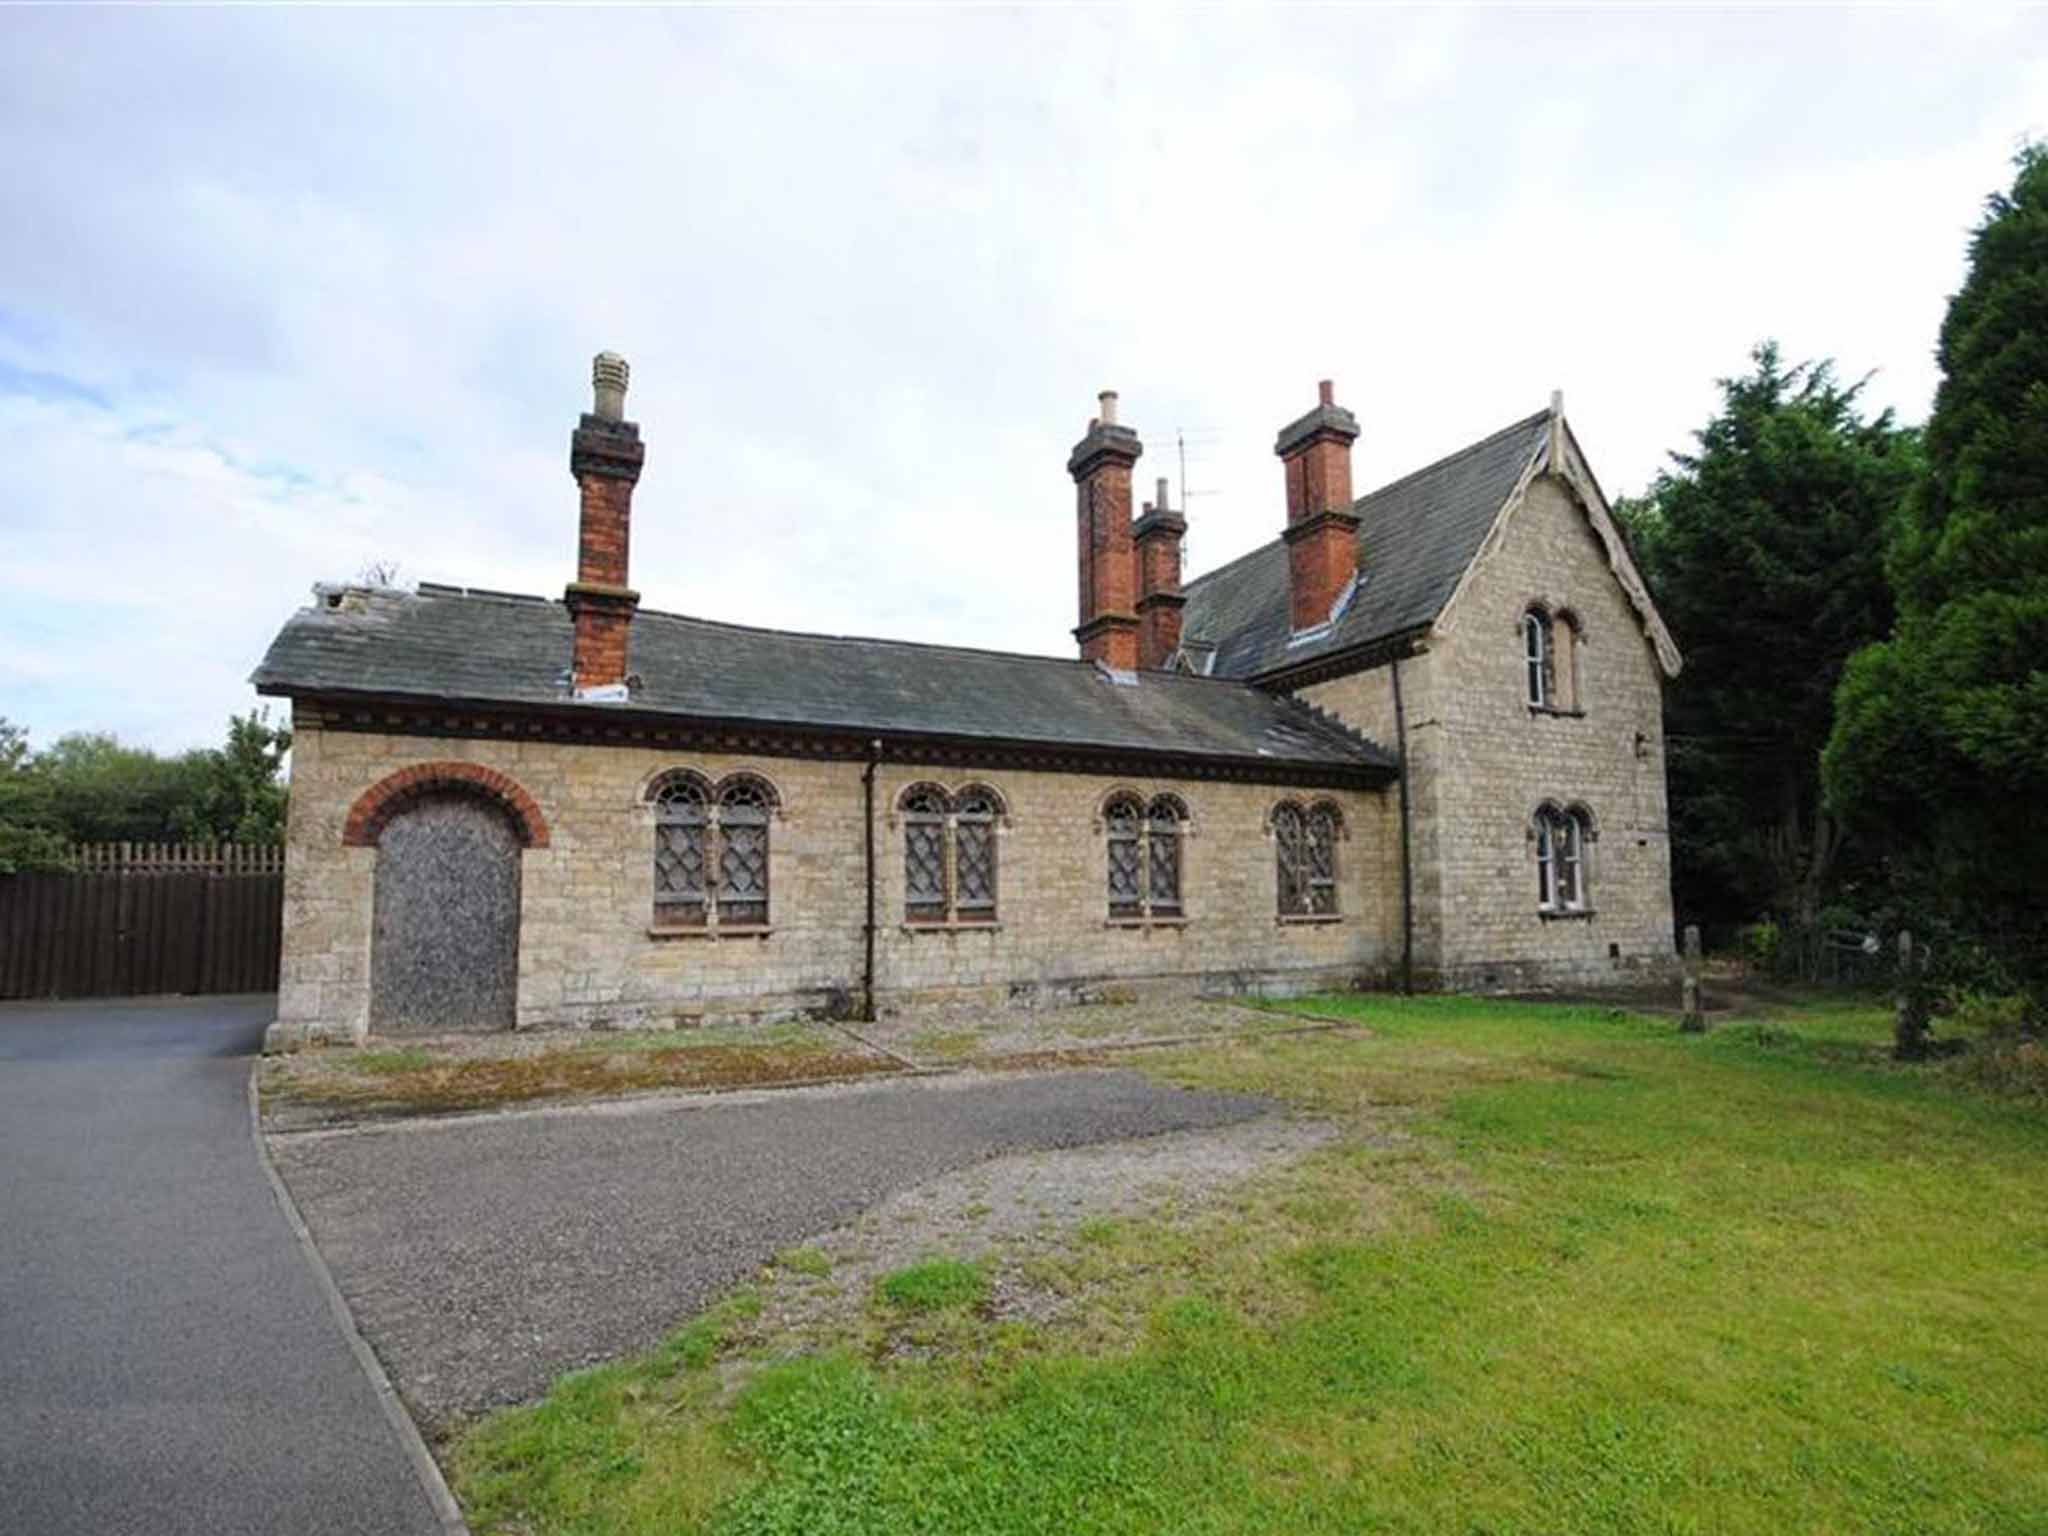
137 918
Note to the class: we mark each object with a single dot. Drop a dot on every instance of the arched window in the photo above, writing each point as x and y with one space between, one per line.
924 808
949 854
1538 659
1305 851
711 853
1567 638
1143 855
1123 820
682 836
1561 838
744 805
1166 822
974 854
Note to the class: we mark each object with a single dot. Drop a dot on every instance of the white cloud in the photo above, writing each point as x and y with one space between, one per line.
870 267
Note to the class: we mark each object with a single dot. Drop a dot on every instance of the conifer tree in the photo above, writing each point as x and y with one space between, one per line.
1940 742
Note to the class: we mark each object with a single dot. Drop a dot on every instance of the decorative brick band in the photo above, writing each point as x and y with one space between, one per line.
383 800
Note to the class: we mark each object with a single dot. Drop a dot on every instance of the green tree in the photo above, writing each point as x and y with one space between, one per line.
1765 548
103 791
238 789
1940 741
30 838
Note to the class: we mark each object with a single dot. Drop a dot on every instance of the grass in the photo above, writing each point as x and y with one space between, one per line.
937 1285
1565 1271
484 1073
814 1263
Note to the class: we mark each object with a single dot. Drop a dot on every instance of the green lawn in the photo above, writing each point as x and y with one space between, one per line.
1566 1271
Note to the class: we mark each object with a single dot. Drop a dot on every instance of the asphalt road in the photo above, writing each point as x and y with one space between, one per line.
168 1363
482 1258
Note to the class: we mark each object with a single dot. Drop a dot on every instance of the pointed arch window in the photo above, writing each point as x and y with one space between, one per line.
711 851
1568 639
1539 659
1305 850
1561 837
951 866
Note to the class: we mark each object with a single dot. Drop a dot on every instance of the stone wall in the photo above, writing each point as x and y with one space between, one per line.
587 956
1482 760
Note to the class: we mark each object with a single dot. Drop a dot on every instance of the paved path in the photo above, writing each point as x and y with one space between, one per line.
482 1258
168 1363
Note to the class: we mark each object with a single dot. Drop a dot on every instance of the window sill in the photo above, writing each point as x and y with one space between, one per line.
969 926
1555 711
1291 919
1565 914
701 931
1145 922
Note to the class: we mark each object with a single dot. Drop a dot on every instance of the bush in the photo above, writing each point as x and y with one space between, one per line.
1760 945
2006 1054
2007 1020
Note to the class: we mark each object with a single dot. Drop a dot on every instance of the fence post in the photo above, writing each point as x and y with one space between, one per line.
1693 1020
1909 1028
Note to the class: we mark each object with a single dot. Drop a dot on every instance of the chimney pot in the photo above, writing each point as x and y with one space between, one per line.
608 376
1326 391
1160 503
605 456
1107 400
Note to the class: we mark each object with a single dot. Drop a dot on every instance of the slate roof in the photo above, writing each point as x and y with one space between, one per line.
445 644
1416 539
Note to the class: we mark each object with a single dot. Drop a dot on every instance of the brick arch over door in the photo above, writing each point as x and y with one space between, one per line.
375 806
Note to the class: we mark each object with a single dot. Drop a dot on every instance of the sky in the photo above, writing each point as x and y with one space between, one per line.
286 292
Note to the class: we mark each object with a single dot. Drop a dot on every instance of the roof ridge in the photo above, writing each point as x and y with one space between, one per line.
441 590
1472 447
1380 490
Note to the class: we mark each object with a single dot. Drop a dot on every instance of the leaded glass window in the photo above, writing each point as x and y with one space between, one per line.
1165 819
711 851
1122 818
1324 824
1290 853
924 854
682 831
744 805
949 854
974 856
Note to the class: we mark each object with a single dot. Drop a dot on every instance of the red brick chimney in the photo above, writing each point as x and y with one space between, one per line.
1322 530
605 454
1157 536
1101 466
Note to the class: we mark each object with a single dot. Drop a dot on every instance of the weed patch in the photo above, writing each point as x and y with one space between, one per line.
938 1285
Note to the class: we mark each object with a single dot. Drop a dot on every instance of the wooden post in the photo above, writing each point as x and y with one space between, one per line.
1693 1019
1909 1028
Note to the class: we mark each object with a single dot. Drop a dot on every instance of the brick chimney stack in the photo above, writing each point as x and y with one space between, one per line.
1101 466
1322 530
605 454
1157 537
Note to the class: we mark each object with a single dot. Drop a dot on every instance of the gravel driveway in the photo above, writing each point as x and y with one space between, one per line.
483 1258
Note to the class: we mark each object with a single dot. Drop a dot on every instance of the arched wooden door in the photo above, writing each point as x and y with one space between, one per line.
444 940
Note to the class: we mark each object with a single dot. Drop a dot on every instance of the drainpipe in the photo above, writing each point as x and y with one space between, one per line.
867 781
1407 874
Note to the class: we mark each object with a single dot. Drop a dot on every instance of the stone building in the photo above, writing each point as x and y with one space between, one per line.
1415 739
